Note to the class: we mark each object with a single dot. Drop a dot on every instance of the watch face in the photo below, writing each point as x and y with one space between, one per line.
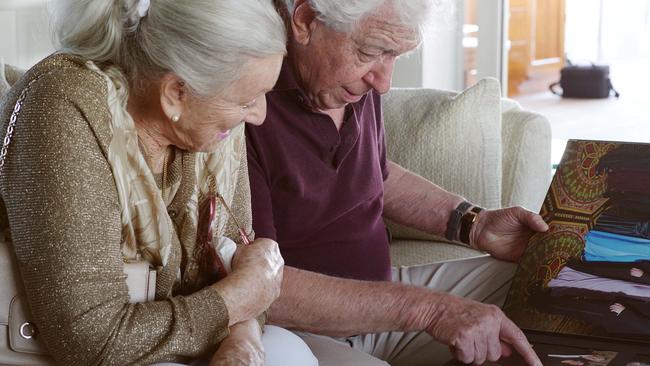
466 223
470 216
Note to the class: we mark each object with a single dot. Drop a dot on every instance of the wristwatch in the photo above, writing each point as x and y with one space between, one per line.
454 220
466 224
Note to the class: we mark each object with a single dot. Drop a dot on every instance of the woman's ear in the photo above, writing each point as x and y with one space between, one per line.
303 21
173 96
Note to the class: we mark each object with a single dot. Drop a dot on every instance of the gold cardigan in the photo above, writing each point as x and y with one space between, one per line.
59 199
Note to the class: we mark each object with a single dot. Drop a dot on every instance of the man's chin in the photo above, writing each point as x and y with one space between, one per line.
338 106
331 104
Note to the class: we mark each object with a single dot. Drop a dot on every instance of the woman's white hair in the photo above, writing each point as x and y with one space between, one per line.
344 16
204 42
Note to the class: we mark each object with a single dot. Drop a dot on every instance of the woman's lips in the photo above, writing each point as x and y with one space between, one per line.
223 135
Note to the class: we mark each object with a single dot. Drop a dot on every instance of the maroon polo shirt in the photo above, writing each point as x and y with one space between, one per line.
317 191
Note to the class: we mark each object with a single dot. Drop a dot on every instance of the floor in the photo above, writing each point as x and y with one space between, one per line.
623 119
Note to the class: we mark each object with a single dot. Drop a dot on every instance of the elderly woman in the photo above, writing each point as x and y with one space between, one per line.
128 145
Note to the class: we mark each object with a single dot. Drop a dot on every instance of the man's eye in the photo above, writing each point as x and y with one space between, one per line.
368 55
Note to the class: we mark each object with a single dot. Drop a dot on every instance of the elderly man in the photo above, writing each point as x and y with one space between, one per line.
321 185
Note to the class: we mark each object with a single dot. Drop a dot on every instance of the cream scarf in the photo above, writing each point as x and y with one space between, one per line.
147 229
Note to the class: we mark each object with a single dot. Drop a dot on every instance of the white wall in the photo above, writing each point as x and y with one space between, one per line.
33 36
442 54
492 52
25 32
8 46
439 63
408 71
621 31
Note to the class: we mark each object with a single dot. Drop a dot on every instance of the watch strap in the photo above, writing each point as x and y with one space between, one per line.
453 223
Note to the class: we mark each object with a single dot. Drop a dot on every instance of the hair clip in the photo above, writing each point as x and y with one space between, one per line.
143 8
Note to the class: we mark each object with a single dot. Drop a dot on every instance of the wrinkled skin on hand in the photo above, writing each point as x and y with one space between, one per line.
264 263
255 281
243 347
504 233
477 332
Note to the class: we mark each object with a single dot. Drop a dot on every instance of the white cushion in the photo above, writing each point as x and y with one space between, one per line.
408 253
452 139
509 105
526 159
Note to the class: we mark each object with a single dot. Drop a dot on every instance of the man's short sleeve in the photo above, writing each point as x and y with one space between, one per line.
261 202
381 138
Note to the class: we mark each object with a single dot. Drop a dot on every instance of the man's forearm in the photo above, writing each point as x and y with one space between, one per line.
339 307
411 200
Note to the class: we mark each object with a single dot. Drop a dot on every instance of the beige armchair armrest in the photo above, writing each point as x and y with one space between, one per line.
9 75
526 165
13 73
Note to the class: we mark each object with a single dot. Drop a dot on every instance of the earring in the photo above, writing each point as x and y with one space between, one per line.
176 118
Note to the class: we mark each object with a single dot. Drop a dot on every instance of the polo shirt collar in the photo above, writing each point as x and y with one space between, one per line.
287 79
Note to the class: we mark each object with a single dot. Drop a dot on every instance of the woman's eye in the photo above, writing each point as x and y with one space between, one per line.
249 105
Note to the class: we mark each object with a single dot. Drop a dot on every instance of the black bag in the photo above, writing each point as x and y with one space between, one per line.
579 81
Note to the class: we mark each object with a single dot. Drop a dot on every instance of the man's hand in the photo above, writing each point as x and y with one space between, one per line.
477 332
243 347
505 233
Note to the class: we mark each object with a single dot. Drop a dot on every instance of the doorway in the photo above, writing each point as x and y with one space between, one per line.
537 37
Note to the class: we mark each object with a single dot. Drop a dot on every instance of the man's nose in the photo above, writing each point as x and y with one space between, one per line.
381 75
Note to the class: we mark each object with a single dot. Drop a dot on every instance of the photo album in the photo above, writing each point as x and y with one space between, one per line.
582 290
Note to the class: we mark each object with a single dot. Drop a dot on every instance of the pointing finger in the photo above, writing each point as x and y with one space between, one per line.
515 337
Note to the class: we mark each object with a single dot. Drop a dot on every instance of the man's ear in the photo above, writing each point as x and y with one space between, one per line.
303 21
173 95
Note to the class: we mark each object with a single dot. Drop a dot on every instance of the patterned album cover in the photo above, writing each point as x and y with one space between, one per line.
590 273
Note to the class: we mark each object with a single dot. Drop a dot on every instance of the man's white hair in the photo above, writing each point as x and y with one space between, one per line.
344 16
205 42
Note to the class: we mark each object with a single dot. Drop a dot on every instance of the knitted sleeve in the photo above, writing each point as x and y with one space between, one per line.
64 216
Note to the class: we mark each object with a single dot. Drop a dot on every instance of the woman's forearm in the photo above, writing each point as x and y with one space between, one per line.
242 347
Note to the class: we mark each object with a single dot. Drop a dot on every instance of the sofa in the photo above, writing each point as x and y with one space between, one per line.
473 143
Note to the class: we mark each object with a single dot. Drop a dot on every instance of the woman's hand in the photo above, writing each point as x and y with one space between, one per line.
262 265
242 347
616 308
635 272
255 281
